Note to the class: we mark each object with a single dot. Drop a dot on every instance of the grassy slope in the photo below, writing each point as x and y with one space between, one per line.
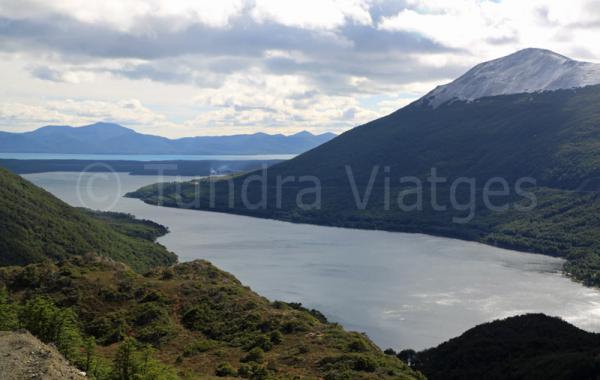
552 137
34 225
199 317
531 346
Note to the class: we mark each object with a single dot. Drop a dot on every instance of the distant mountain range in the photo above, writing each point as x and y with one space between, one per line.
108 138
511 118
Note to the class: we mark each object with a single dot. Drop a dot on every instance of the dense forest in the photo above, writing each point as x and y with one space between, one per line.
34 226
527 347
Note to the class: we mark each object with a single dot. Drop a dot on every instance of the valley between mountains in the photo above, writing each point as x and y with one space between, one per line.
117 305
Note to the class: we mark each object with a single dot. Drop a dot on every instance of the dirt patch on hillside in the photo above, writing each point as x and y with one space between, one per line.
23 356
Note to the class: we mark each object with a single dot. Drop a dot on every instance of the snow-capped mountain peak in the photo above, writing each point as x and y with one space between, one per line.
529 70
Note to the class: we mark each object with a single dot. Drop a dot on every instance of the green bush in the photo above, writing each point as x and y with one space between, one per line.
294 326
199 347
136 362
8 312
365 363
149 312
358 345
276 337
52 325
355 362
256 355
253 372
224 370
261 341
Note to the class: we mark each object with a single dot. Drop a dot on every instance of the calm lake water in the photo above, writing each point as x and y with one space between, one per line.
403 290
142 157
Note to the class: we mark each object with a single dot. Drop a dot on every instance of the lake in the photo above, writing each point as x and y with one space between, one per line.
143 157
403 290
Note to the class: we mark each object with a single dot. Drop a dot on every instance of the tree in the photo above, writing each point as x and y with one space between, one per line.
52 325
124 365
90 353
8 312
133 362
68 338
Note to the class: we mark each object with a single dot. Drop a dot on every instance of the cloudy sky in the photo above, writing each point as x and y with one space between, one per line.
196 67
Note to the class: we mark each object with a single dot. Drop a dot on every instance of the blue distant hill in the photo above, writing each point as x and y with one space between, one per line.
108 138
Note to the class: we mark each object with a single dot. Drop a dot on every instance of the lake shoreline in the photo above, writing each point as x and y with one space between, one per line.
394 286
361 227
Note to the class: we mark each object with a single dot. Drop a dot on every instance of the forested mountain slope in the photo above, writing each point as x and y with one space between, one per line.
544 146
532 346
35 226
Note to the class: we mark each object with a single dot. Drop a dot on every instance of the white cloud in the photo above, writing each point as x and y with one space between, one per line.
319 14
275 103
130 112
197 67
127 15
487 28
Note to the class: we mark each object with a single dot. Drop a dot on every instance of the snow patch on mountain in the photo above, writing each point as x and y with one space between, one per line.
529 70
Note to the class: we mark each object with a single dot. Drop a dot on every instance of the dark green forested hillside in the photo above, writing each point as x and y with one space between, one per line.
527 347
34 226
551 138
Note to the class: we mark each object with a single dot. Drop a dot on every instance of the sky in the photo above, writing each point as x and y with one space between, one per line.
204 67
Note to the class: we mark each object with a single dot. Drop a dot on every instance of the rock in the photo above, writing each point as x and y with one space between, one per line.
23 356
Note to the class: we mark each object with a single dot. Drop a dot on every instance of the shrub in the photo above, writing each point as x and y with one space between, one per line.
146 313
8 312
199 347
167 274
135 362
408 356
253 372
261 341
256 355
155 333
339 375
293 326
276 337
365 363
52 325
320 316
358 345
108 329
356 362
225 369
